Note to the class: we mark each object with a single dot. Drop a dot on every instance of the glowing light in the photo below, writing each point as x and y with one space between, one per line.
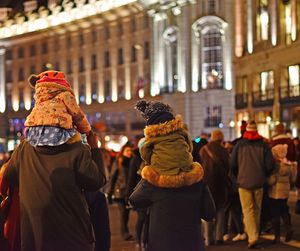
107 138
239 123
101 99
99 143
124 140
15 104
43 20
114 146
268 119
249 27
141 93
231 123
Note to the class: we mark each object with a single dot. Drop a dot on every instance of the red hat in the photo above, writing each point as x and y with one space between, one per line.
51 76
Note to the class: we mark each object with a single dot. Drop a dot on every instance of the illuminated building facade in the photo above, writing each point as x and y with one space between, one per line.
267 63
117 51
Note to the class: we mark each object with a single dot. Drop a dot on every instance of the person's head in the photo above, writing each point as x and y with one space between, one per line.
279 129
243 127
126 151
251 126
217 135
279 151
154 112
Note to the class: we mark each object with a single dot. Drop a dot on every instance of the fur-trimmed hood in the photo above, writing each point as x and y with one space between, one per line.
173 181
164 128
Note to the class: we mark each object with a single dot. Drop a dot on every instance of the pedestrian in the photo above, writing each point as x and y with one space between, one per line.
280 183
251 163
141 226
297 183
171 185
52 168
215 161
119 179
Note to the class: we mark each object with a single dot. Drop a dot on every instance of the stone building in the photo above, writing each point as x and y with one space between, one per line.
267 59
115 52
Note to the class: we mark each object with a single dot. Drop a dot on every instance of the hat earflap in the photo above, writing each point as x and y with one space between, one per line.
141 105
32 80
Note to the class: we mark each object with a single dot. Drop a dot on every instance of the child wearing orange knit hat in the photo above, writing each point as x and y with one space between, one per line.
56 116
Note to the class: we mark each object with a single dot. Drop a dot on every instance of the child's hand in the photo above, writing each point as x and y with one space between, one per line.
92 139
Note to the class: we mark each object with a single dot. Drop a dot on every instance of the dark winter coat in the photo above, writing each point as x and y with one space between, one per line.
119 178
177 203
215 161
175 215
251 161
54 212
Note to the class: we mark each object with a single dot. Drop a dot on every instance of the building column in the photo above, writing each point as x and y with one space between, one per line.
75 68
276 103
273 21
2 81
100 63
239 38
87 62
158 67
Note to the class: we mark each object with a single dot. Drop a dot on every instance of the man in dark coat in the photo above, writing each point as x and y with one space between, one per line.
175 215
51 180
251 162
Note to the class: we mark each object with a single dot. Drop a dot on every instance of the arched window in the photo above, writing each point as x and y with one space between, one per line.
170 36
211 54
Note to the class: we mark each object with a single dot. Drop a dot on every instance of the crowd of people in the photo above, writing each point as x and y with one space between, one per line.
187 194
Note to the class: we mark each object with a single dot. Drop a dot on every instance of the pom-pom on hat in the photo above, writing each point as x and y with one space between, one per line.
51 76
251 127
154 112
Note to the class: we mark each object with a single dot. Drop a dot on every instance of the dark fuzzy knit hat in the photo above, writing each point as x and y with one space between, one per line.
154 112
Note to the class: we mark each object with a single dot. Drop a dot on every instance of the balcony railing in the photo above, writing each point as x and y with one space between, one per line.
241 100
290 94
264 98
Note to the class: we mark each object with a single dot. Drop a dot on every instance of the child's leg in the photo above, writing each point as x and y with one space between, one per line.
275 212
286 217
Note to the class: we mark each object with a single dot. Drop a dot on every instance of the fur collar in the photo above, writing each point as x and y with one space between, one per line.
173 181
164 128
281 136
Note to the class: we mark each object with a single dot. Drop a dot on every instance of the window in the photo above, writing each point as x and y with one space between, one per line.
94 62
213 116
69 41
21 74
94 91
32 69
20 52
133 25
21 100
212 67
133 54
211 6
106 32
146 50
106 59
107 90
9 101
8 55
120 29
82 93
294 80
81 39
44 48
94 36
146 21
8 76
262 21
120 56
81 64
32 50
57 66
266 85
69 67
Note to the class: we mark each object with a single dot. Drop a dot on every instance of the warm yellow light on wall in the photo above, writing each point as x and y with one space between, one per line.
15 104
101 99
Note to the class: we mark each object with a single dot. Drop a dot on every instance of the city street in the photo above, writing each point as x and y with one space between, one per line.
119 245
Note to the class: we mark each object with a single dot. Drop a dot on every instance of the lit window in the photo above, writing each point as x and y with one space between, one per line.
294 80
120 56
263 21
20 52
266 82
212 58
21 74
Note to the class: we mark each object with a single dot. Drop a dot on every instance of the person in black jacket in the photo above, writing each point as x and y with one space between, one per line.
133 179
